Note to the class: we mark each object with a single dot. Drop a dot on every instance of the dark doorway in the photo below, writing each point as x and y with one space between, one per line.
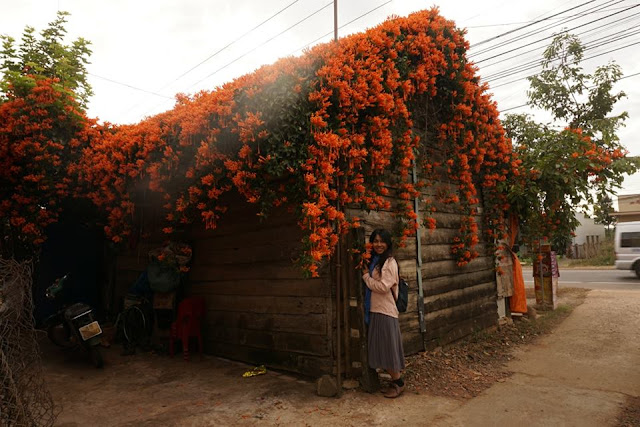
74 246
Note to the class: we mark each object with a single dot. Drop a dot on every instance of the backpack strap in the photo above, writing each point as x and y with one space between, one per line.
395 297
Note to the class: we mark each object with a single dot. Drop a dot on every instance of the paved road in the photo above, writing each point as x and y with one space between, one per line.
592 279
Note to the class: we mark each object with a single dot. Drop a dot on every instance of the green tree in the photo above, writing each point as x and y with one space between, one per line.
575 161
45 57
602 211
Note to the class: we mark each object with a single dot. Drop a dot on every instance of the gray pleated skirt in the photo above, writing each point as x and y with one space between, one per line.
385 343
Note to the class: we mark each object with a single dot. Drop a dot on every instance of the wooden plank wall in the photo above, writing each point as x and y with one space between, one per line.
458 300
260 308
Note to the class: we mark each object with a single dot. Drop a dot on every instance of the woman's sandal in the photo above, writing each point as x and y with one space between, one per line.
385 388
394 391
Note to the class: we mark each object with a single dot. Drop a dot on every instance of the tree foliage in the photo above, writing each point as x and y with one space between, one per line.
43 130
45 57
602 211
576 161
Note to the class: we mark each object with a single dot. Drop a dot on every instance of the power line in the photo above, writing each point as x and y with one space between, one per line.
528 25
505 24
547 27
262 44
294 25
601 27
584 59
513 108
130 86
564 20
594 44
534 64
590 11
341 27
218 51
630 75
553 35
230 44
246 53
526 104
617 23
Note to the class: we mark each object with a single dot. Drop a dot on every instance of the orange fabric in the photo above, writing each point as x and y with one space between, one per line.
518 302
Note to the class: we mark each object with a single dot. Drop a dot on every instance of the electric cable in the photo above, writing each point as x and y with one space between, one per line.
632 17
535 64
600 8
611 38
584 59
526 104
523 22
341 27
218 51
260 45
229 44
594 9
553 35
252 50
130 86
528 25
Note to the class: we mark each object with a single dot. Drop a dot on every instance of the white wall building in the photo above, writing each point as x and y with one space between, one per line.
588 228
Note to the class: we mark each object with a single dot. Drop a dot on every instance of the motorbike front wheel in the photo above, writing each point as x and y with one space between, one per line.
60 335
96 356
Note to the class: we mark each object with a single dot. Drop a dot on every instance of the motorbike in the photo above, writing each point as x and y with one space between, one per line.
74 325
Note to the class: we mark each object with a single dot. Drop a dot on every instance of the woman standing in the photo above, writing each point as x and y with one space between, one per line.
385 341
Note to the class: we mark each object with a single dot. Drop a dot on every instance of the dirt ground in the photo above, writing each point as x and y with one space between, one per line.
149 389
469 367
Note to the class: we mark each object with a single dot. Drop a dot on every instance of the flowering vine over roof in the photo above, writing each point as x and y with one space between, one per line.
337 126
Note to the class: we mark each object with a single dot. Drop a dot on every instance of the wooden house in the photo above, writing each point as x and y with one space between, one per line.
261 308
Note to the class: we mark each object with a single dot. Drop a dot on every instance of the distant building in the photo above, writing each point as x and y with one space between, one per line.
588 237
588 230
628 208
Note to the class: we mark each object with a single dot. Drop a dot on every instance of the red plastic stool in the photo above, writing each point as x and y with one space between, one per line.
187 325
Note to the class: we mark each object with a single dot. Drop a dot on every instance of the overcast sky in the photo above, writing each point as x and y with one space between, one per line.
144 52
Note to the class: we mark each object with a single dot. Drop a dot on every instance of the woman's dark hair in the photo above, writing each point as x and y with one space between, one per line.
386 237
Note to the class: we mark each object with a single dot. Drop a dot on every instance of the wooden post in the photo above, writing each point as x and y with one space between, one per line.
416 208
369 378
345 308
338 278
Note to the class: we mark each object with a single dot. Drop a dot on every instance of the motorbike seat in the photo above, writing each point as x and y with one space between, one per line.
76 310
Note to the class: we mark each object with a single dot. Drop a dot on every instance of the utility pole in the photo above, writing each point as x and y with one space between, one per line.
335 20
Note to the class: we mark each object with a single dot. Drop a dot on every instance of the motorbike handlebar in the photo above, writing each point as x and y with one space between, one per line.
56 287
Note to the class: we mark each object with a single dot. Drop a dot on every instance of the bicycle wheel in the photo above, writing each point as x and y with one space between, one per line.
134 325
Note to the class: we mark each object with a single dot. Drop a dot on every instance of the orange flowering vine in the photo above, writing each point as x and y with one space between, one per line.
342 125
43 131
317 133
